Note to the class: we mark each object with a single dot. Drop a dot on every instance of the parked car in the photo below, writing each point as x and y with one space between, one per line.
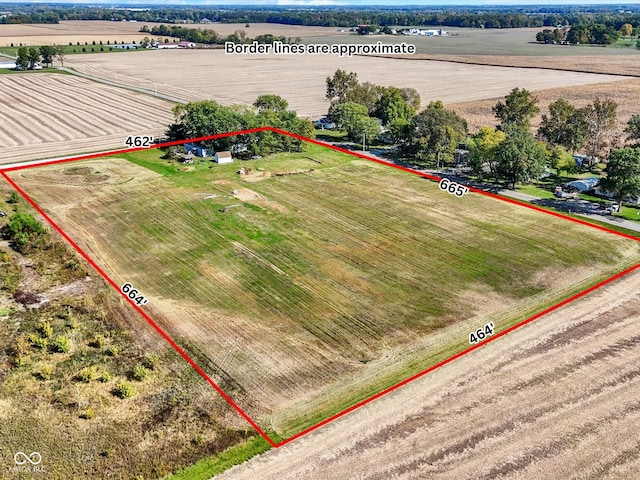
3 214
325 124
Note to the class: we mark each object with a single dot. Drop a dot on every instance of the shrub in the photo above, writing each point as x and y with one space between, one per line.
21 346
61 344
123 390
97 342
139 373
13 198
87 374
71 324
45 372
44 329
38 342
24 232
104 377
87 414
73 265
113 351
152 362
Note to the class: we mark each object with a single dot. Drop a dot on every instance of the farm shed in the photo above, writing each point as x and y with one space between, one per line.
223 157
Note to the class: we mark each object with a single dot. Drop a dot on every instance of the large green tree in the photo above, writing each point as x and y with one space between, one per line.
24 232
623 173
47 52
565 125
351 116
22 60
435 133
34 57
395 113
482 151
271 102
340 85
520 157
517 110
633 127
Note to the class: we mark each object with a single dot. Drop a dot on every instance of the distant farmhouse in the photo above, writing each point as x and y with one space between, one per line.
425 33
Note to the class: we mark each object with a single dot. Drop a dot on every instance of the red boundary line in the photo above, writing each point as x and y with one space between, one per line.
4 171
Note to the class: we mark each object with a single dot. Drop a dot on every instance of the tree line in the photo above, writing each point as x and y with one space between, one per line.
210 37
205 118
594 33
510 152
469 16
30 58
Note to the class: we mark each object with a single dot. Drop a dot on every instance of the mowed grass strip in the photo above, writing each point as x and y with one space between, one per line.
325 278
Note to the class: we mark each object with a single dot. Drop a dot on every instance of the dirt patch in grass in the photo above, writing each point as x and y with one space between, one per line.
78 171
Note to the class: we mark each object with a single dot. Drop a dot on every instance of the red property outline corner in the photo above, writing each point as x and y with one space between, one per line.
6 170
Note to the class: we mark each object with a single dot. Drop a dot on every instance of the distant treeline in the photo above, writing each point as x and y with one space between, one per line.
210 37
484 16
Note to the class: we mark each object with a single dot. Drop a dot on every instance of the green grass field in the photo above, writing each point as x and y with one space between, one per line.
325 278
73 49
478 41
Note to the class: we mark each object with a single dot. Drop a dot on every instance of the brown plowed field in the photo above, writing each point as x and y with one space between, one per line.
625 92
45 115
617 64
558 398
301 79
87 31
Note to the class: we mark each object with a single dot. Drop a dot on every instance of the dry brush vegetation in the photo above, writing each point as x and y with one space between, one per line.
69 348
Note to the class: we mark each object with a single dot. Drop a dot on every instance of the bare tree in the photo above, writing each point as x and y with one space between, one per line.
60 54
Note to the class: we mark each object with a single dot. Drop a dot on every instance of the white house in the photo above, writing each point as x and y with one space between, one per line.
223 157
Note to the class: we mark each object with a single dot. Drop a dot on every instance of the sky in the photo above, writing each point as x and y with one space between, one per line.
312 3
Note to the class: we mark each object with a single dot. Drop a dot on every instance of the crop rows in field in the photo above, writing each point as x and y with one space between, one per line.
300 79
43 109
557 398
318 289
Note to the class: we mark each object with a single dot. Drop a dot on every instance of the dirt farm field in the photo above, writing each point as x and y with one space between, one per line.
300 294
557 398
626 93
87 31
195 75
48 115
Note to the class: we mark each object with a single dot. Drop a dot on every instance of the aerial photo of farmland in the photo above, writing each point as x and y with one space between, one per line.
332 242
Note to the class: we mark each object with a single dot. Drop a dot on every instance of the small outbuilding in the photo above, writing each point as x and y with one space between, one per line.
223 157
